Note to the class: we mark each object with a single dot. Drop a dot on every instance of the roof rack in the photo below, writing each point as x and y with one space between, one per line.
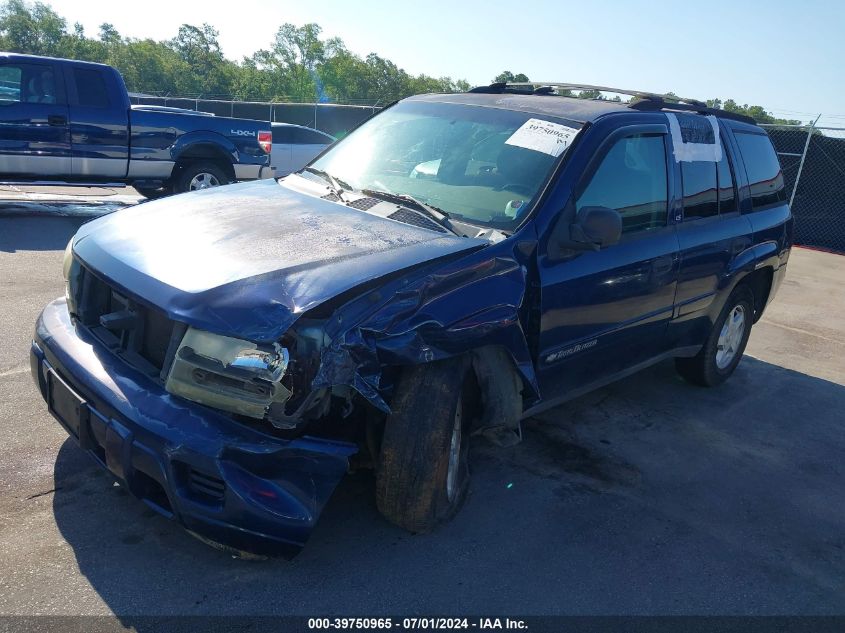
646 101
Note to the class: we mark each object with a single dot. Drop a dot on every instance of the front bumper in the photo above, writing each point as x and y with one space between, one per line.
224 481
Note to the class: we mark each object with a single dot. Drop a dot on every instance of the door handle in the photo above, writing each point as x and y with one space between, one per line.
56 119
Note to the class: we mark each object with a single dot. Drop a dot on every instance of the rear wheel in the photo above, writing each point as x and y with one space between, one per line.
725 346
198 176
423 473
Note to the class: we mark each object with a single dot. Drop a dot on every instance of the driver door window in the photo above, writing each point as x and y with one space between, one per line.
631 179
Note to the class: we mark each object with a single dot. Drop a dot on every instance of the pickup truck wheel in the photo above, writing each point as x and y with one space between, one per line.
726 344
423 474
198 176
152 194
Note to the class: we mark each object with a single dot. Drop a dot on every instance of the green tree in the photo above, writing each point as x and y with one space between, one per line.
77 46
590 94
295 55
298 65
756 112
507 76
207 72
34 29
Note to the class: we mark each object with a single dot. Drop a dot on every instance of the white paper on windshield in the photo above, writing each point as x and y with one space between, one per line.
543 136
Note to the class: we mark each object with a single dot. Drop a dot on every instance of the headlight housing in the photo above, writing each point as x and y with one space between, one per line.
229 373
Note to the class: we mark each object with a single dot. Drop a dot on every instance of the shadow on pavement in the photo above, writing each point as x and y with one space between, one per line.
647 497
45 233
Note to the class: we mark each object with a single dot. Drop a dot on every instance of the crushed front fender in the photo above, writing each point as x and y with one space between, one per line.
436 312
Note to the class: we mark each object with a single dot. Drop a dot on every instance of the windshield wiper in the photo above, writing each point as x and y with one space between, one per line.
432 212
334 184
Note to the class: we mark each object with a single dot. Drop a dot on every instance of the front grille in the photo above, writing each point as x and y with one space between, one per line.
155 341
205 486
140 334
410 217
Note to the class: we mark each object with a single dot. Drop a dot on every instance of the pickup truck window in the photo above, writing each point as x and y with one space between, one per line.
91 88
632 179
28 83
765 177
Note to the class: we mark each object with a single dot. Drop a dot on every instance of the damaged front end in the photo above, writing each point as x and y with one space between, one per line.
231 483
266 373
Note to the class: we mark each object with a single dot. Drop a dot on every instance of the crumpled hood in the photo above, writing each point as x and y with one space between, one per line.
246 260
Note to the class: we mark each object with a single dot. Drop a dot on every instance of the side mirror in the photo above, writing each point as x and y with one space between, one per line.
596 227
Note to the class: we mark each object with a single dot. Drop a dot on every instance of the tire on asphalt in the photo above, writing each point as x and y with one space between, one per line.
703 369
429 402
152 194
213 172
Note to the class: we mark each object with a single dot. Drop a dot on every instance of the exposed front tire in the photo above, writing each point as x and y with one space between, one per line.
423 473
198 176
725 346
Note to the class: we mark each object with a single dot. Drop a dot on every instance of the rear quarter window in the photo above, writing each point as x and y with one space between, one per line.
91 88
700 200
765 177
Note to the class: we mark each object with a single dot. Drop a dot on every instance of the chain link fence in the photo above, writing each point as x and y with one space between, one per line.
332 118
813 162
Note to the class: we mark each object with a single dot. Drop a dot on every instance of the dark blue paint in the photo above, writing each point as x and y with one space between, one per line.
276 254
257 261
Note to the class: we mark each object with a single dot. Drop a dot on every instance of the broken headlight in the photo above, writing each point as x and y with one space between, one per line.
229 373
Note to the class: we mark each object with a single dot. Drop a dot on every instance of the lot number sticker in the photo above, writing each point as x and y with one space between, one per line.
543 136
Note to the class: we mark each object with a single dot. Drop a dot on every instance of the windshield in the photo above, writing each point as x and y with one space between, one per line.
482 165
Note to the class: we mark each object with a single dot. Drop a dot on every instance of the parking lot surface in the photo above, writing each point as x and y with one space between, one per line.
650 496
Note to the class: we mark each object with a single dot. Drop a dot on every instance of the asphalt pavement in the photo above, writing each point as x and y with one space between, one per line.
650 496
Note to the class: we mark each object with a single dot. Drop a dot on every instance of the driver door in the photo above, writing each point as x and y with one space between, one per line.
606 312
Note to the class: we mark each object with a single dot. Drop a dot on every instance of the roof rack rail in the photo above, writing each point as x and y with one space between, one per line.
647 101
653 104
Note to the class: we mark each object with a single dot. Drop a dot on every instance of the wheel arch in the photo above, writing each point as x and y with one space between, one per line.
759 281
191 148
754 267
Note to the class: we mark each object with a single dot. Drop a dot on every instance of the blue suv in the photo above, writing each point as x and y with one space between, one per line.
456 264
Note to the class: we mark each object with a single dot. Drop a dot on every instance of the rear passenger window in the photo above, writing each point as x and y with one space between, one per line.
763 169
700 186
727 195
91 88
631 179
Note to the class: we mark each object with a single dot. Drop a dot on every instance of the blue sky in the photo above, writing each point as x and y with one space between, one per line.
786 56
